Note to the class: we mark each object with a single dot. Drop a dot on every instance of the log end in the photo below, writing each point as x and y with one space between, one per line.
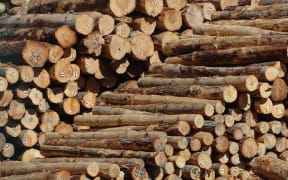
84 24
35 54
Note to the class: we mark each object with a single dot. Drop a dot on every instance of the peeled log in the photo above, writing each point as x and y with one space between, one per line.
270 167
142 120
149 7
253 12
188 45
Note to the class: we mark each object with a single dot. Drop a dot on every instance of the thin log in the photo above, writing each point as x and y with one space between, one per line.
8 150
3 84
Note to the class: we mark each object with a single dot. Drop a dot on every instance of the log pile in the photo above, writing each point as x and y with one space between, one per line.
159 89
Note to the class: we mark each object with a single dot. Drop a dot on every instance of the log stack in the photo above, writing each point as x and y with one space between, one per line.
159 89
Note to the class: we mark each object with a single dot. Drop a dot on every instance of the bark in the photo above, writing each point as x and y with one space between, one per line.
188 45
253 12
235 56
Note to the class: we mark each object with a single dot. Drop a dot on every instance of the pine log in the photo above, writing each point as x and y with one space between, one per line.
188 45
174 70
34 53
263 106
169 20
279 90
88 65
16 109
8 150
149 7
201 159
123 29
56 151
221 144
30 154
92 44
192 14
269 140
252 12
217 129
41 78
9 73
142 120
49 120
175 4
161 40
275 127
262 127
28 138
156 99
269 167
266 2
61 72
114 7
249 148
205 138
174 108
110 110
142 46
3 118
244 101
120 67
55 53
3 7
30 120
284 156
145 144
115 47
208 9
227 94
26 73
3 84
263 91
269 24
55 95
6 98
71 89
13 131
220 4
65 36
2 141
236 56
145 24
278 110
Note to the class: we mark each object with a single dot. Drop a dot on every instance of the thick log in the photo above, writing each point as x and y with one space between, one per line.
13 131
58 151
270 167
123 29
114 7
149 7
30 154
3 118
161 40
55 95
92 44
156 99
227 93
201 159
26 73
120 67
236 56
220 4
262 127
263 106
208 9
16 109
49 120
221 144
115 47
279 90
174 70
205 138
3 84
28 138
269 140
142 46
55 53
142 120
30 120
175 4
174 108
192 14
253 12
188 45
8 150
249 148
269 24
169 20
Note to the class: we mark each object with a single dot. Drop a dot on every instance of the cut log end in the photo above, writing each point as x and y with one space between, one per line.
106 25
229 94
170 20
122 7
84 24
249 148
65 36
35 54
251 83
142 46
192 15
71 106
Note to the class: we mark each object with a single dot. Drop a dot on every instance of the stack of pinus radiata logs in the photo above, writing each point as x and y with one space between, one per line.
186 118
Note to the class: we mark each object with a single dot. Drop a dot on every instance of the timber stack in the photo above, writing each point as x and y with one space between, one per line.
143 89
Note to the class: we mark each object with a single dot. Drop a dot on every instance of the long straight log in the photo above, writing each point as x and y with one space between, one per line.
248 12
65 151
188 45
270 167
229 30
220 4
269 24
39 175
227 93
171 108
267 2
156 99
235 56
142 120
263 73
115 7
111 110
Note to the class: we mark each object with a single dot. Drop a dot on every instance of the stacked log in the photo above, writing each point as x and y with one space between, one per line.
159 89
